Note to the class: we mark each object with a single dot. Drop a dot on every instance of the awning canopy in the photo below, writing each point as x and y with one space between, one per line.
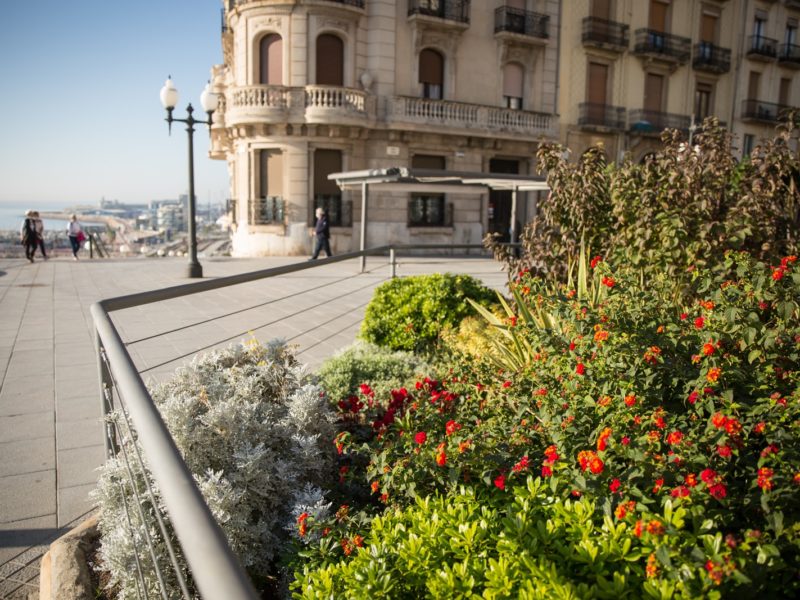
403 179
432 180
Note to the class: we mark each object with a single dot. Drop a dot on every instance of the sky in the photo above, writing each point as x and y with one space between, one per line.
80 103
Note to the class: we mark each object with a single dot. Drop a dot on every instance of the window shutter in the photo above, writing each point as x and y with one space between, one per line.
658 16
431 67
271 56
325 163
330 60
512 80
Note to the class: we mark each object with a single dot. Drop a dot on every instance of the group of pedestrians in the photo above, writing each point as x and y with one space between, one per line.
32 235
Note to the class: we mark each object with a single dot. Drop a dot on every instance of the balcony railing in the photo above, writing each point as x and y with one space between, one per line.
260 96
789 55
348 99
761 48
450 10
605 34
793 4
357 3
267 211
710 57
458 115
664 46
601 116
768 112
650 122
523 22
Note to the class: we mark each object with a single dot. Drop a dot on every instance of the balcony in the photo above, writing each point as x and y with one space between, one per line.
762 48
789 55
650 122
608 35
795 4
457 117
309 104
354 3
601 117
453 11
764 112
662 46
711 58
515 23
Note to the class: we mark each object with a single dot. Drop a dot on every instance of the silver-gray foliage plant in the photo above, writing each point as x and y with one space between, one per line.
257 438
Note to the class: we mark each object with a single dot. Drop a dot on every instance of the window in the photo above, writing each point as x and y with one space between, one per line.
327 194
790 35
753 85
708 35
268 205
431 74
330 60
747 146
657 24
427 209
702 101
513 76
271 60
653 92
601 9
784 91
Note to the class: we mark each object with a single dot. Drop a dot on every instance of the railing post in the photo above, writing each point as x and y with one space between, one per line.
393 262
91 245
106 398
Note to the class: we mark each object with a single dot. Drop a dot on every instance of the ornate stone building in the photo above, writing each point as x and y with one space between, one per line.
313 87
630 68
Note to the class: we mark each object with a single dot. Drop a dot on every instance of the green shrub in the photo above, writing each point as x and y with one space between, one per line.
530 543
342 375
409 313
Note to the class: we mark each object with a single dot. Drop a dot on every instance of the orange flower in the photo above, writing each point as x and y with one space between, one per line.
713 374
655 527
630 400
651 355
604 401
600 335
651 570
708 349
602 439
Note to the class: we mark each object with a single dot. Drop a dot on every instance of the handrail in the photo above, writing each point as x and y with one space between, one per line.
215 569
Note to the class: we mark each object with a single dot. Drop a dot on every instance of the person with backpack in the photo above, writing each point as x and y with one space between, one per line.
28 235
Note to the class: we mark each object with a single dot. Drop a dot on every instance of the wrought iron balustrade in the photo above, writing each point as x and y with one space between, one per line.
712 58
763 47
601 115
450 10
654 122
757 110
268 210
523 22
789 55
604 33
659 44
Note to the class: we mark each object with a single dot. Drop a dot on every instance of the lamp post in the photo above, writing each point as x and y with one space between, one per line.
209 102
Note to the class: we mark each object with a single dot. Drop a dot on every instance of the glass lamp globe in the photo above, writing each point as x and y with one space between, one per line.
208 99
169 95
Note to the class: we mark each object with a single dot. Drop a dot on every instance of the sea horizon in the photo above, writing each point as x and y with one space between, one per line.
13 213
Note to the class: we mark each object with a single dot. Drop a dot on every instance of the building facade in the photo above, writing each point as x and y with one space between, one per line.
631 68
314 87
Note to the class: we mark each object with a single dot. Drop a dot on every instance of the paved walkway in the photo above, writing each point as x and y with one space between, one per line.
50 433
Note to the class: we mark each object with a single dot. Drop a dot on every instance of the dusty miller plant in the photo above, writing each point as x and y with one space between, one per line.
257 438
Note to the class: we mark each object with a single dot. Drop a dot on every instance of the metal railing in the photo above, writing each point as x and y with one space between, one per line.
769 112
654 122
789 54
712 58
524 22
601 115
663 45
267 211
762 47
604 33
211 564
449 10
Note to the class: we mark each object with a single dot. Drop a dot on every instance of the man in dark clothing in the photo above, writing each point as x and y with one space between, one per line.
323 235
28 236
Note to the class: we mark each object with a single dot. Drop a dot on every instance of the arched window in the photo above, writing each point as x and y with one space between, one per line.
431 74
330 60
513 76
271 60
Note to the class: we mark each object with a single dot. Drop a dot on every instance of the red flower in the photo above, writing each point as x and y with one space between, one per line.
680 492
551 452
421 437
759 427
375 486
630 400
724 451
684 316
771 449
708 476
713 374
657 487
715 572
540 392
655 527
699 322
625 441
595 261
765 475
708 349
637 529
777 273
614 485
602 439
690 480
500 481
580 369
609 282
763 305
366 390
451 427
590 460
660 422
546 471
441 458
674 438
693 397
719 491
302 525
521 465
719 420
506 384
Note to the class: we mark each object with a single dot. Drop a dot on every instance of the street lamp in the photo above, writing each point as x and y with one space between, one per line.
209 101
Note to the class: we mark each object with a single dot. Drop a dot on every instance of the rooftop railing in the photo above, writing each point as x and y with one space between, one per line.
523 22
450 10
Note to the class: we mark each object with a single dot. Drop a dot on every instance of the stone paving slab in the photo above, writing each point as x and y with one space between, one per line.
50 428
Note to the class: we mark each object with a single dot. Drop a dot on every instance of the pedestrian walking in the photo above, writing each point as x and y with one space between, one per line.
323 234
39 225
76 235
27 235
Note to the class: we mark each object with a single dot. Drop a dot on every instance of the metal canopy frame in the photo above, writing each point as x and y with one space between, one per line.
405 179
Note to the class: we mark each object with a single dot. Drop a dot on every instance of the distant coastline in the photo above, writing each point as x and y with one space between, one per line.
12 213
